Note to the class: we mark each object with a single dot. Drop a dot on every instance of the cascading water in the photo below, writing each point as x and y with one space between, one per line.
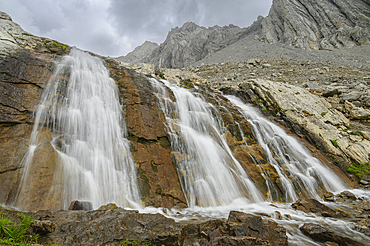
287 155
209 173
80 106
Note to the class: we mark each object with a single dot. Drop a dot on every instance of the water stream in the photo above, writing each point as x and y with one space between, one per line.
209 173
81 108
307 174
80 105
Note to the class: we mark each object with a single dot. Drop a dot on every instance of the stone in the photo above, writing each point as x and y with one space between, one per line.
324 235
330 93
108 206
314 206
247 225
216 233
356 113
351 96
328 197
43 226
347 195
81 205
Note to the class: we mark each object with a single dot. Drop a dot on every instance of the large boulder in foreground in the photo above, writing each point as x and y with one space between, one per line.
117 226
325 235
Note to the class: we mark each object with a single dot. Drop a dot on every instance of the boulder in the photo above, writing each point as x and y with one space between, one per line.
314 206
43 226
81 205
356 113
325 235
248 225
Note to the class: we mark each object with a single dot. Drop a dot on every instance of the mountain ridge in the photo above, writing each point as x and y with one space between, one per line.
306 25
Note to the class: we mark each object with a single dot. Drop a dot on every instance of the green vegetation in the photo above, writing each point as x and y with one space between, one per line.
55 45
134 242
357 133
359 169
334 142
12 233
258 101
161 75
323 114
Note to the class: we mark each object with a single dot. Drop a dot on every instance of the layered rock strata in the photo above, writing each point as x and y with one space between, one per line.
317 24
190 43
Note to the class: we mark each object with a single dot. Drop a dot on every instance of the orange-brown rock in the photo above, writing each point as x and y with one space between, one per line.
150 146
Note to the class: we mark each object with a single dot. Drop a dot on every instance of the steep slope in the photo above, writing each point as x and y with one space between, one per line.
139 53
26 65
190 43
318 24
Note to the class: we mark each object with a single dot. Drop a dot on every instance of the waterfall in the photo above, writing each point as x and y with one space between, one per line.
80 107
210 175
298 170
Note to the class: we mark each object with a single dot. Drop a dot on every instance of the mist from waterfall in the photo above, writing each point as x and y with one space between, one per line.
81 108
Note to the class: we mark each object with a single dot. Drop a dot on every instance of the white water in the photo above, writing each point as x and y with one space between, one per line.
209 173
85 116
298 170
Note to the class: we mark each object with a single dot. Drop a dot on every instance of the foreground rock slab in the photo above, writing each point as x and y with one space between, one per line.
325 235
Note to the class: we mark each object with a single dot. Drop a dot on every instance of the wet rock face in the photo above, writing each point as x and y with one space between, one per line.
317 24
325 235
314 118
314 206
150 144
247 225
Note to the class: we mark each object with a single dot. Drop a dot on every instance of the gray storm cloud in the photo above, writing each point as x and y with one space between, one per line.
115 27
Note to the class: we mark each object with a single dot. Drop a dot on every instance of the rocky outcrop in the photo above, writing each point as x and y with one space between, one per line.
314 117
25 66
190 43
318 24
150 144
26 63
139 53
118 226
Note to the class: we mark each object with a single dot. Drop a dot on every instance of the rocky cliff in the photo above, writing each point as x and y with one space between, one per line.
139 53
26 64
190 43
317 24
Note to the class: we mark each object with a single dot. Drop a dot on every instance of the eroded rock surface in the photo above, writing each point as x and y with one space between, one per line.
314 117
317 24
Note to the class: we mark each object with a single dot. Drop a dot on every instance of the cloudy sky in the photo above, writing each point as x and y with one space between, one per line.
116 27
